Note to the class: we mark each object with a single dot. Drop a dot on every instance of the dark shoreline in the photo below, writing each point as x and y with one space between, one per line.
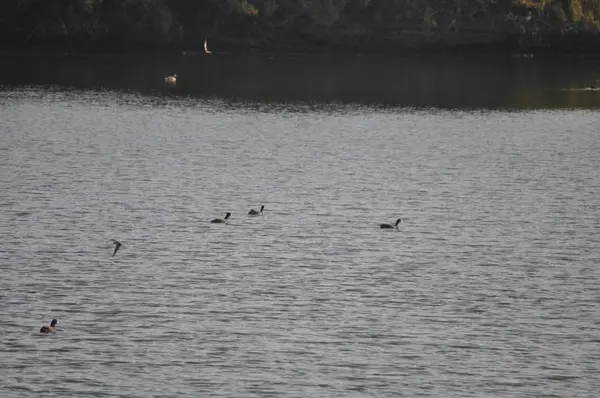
36 52
519 28
413 43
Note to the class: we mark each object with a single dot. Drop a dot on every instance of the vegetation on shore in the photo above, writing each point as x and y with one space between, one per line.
386 26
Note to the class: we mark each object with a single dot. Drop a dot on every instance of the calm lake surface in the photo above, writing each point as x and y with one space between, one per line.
490 287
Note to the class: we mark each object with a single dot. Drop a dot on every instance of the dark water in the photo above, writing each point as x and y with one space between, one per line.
491 286
441 82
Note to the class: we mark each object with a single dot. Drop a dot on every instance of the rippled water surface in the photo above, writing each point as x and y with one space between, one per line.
491 286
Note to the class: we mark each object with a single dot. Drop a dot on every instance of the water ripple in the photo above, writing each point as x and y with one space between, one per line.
490 288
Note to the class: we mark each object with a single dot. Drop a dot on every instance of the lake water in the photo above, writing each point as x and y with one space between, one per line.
490 287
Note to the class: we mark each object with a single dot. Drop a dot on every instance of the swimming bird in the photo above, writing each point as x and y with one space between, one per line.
117 246
221 220
49 329
206 50
253 212
390 226
171 79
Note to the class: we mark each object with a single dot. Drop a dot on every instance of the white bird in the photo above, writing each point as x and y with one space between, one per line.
206 50
171 79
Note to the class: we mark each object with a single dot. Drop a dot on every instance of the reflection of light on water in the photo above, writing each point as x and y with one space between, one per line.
581 89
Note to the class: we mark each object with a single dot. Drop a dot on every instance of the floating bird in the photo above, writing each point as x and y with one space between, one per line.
117 246
206 50
390 226
253 212
171 79
221 220
49 329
